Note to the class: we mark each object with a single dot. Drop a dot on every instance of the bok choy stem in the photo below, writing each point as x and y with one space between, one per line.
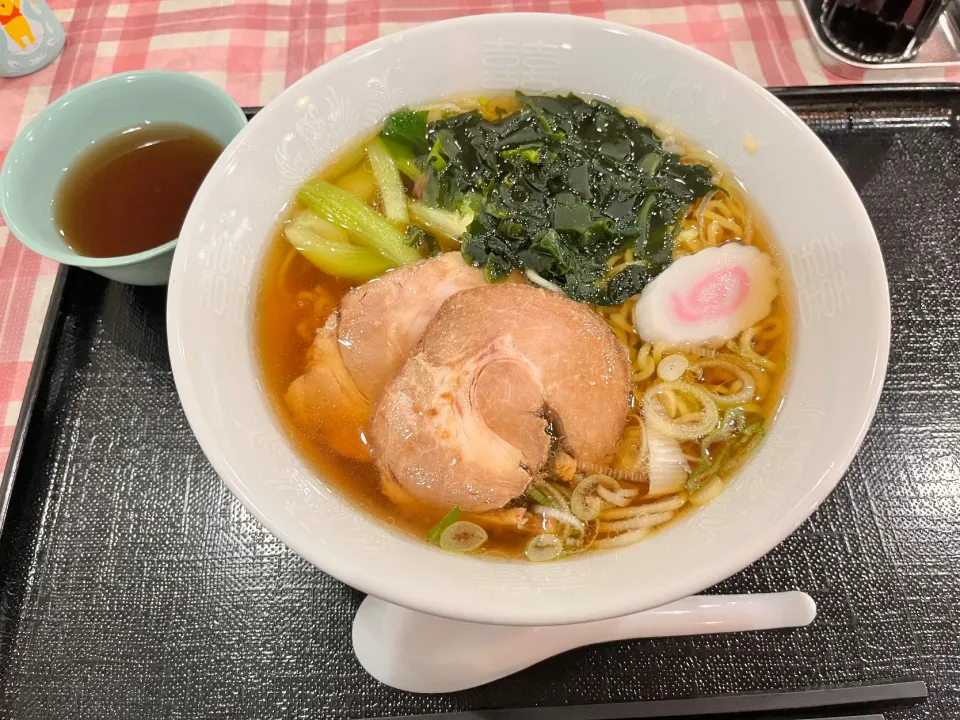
329 248
407 166
343 209
359 182
346 160
406 162
443 222
387 175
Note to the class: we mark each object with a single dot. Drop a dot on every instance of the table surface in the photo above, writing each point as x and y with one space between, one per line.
256 48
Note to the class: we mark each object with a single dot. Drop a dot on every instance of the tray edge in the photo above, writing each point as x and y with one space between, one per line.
51 323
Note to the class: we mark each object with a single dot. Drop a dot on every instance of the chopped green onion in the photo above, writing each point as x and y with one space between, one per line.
748 384
658 419
708 491
734 451
387 175
746 443
736 417
544 547
449 519
538 496
732 423
463 536
585 503
695 479
343 209
750 355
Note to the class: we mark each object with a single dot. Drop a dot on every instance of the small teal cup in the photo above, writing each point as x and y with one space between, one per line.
51 142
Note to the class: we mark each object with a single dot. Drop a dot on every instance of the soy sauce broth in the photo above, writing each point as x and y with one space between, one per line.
295 299
131 192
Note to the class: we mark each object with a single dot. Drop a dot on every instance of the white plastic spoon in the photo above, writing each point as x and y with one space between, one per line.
421 653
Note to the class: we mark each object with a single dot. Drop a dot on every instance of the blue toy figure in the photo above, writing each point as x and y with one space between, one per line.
31 37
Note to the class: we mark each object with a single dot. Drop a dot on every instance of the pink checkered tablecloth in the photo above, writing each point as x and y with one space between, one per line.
255 48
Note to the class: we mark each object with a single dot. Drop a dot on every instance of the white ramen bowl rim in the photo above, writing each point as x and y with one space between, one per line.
840 297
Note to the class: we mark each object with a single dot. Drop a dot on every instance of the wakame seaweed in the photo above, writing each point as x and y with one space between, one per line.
558 187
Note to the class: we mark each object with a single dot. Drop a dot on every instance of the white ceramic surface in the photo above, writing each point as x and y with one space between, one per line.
833 261
423 653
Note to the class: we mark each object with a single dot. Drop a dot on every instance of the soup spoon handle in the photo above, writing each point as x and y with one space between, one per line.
702 614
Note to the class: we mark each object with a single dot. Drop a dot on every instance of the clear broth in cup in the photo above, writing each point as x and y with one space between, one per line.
131 192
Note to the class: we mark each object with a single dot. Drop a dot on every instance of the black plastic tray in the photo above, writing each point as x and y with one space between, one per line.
133 584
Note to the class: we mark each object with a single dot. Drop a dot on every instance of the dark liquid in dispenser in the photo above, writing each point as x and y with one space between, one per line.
880 30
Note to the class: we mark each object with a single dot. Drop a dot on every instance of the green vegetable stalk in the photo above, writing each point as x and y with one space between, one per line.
329 248
363 222
389 184
442 222
449 519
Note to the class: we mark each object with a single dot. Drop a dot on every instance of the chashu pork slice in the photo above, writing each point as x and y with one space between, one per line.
364 342
464 422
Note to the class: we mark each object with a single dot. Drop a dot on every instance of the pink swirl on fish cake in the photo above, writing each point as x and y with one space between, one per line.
716 294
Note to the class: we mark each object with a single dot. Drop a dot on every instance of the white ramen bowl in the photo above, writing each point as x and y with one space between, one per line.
839 291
